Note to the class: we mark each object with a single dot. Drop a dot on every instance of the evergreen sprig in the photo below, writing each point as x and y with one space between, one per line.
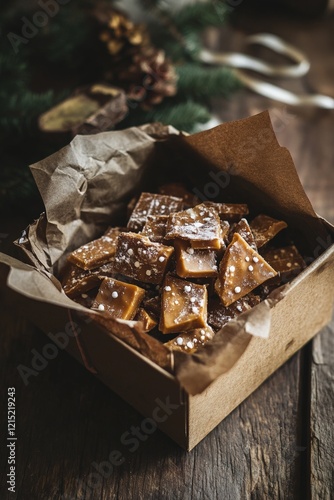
201 83
195 17
183 115
19 105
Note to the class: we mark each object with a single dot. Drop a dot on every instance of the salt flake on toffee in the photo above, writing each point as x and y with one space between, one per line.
231 286
199 225
182 311
147 262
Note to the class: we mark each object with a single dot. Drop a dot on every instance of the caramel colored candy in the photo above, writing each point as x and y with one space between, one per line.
76 280
155 227
225 227
192 263
153 305
232 212
242 228
141 259
147 319
96 252
199 225
184 306
118 299
178 189
131 205
264 228
219 315
224 232
286 261
190 341
241 270
113 232
86 299
152 204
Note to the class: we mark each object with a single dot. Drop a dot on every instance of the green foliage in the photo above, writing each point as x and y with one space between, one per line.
66 39
186 50
19 105
200 82
197 16
183 115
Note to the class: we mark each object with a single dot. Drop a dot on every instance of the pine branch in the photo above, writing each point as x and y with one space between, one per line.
20 110
188 50
196 17
68 37
19 105
183 115
151 4
200 82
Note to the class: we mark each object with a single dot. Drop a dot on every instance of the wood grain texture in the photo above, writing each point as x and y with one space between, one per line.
322 410
278 444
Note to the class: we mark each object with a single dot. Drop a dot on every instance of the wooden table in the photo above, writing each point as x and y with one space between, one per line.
278 444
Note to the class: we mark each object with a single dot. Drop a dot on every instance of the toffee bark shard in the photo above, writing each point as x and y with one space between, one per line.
118 299
184 306
199 225
241 270
190 341
96 252
141 259
264 228
194 263
286 261
152 204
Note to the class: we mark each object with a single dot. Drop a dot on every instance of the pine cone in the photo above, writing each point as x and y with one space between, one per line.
138 67
121 36
149 78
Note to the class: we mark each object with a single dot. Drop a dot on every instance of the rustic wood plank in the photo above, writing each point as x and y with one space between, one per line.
322 410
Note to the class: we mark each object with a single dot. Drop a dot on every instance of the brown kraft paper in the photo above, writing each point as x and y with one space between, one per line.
87 184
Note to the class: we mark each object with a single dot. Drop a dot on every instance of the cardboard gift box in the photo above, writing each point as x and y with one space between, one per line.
85 188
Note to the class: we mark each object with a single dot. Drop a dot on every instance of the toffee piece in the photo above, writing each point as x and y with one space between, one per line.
199 225
152 204
141 259
76 280
149 322
265 228
96 252
155 228
241 270
184 306
178 189
118 299
86 299
242 228
194 263
219 315
231 212
190 341
286 261
153 305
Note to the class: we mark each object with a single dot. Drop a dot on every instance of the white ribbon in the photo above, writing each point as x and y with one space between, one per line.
301 66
